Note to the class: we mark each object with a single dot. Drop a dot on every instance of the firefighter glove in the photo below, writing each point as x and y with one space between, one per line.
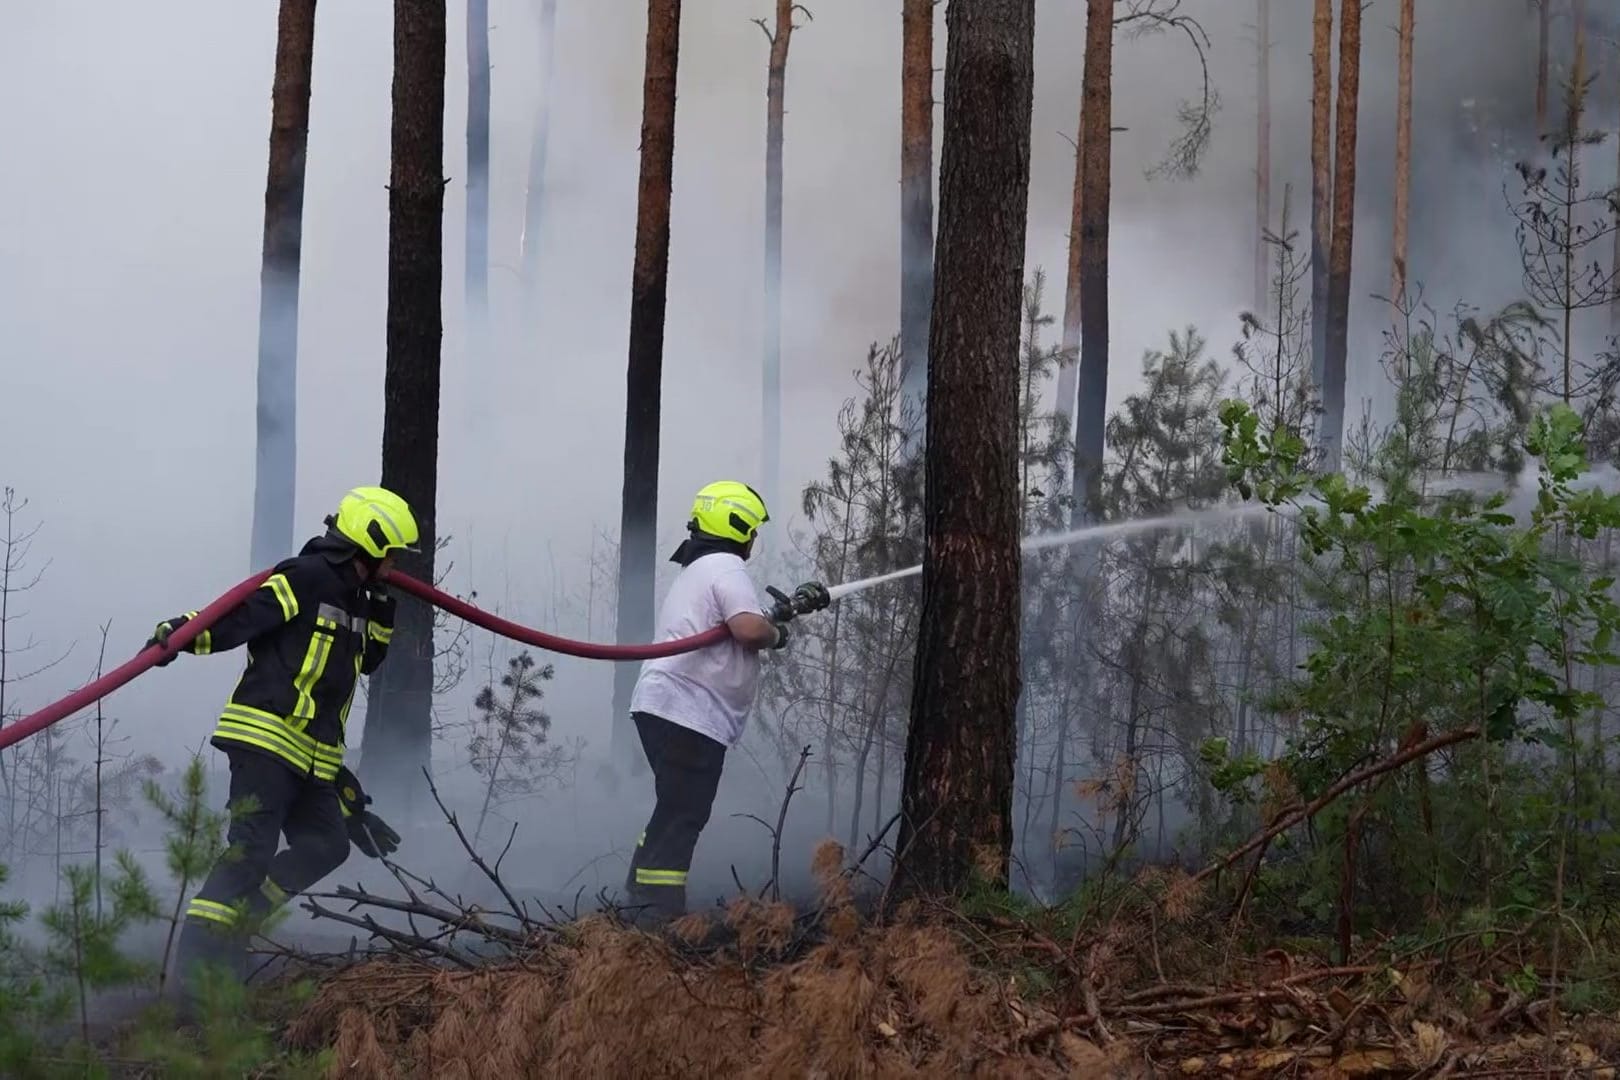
781 635
160 638
372 836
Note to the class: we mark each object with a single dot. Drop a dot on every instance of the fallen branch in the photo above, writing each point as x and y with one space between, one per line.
1321 802
493 873
468 920
774 886
394 937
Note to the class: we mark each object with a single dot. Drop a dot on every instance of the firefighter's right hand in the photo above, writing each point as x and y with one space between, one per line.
781 635
160 638
372 835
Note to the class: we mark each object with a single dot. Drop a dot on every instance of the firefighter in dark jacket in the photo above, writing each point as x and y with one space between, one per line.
320 621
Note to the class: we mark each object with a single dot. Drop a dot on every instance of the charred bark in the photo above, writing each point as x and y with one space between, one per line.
649 283
477 231
398 736
1095 179
958 790
916 193
1344 207
276 457
1403 150
1321 180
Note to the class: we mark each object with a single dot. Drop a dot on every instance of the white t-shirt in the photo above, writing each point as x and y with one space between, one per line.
710 690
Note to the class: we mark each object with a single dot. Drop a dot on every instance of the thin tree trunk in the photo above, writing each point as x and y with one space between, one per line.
960 749
638 522
1321 181
1403 149
1543 41
1572 123
1262 165
398 738
477 230
916 194
534 203
276 457
1096 163
775 90
1344 206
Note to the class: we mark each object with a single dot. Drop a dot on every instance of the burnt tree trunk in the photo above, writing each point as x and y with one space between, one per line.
1403 150
1344 208
399 732
1321 180
1262 156
477 231
1543 44
276 457
649 282
1096 164
916 194
775 88
958 789
534 196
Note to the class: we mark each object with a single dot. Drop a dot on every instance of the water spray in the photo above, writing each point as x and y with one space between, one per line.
1107 531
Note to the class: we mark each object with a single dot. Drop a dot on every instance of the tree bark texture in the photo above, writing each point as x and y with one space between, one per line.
649 282
775 110
398 736
534 198
276 457
1262 156
916 193
1321 180
1344 207
960 750
1096 165
1403 149
477 231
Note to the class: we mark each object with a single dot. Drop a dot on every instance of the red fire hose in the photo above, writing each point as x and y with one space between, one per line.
146 658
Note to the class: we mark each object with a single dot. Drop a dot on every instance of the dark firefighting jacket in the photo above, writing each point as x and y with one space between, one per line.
311 630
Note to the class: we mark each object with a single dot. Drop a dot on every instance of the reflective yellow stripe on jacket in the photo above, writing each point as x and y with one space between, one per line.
274 735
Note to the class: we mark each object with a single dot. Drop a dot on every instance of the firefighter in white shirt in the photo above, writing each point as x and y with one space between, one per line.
690 709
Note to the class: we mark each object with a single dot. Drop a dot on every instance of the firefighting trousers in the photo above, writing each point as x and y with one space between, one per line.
267 800
686 770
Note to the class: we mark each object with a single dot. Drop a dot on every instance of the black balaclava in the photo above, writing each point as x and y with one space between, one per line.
699 544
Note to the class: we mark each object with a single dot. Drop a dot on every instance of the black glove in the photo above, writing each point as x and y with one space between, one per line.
781 635
160 638
811 596
782 610
372 836
367 831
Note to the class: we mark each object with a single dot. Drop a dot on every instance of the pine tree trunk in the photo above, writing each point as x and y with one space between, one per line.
916 193
775 89
276 459
1262 164
534 198
1543 42
399 734
638 522
1321 180
1344 207
477 230
1096 163
1403 149
958 785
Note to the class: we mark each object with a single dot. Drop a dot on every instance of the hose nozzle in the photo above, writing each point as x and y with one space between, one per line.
809 597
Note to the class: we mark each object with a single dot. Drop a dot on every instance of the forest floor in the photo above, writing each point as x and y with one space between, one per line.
1161 987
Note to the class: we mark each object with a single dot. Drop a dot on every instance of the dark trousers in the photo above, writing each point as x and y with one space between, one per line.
686 770
267 800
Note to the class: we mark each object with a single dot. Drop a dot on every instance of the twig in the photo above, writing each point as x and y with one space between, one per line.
478 860
396 937
1412 753
774 886
461 920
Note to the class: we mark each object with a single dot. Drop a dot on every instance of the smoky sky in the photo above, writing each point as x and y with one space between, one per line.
135 143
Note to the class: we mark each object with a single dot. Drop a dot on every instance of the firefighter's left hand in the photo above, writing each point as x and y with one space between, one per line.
372 835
